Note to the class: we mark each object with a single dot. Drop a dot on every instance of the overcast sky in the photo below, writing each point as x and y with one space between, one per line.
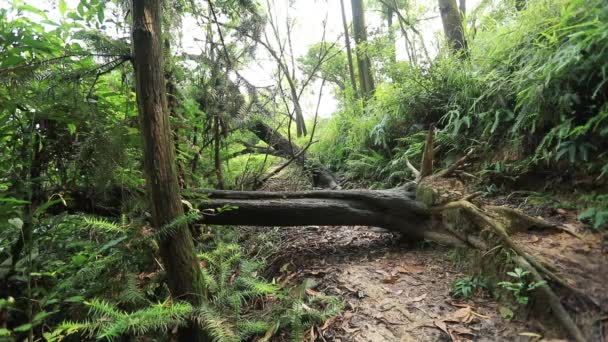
308 29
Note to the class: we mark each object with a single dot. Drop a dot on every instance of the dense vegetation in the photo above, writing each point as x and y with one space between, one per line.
79 250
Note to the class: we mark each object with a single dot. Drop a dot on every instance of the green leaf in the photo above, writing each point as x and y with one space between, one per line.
62 7
32 9
79 259
72 128
39 317
24 327
74 299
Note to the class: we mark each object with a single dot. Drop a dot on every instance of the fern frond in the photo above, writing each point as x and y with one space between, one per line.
103 225
213 322
176 225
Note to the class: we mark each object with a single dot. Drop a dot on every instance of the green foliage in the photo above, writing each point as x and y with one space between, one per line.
109 322
534 78
520 287
467 287
596 212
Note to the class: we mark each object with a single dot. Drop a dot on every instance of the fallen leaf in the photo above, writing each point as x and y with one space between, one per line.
419 298
443 327
462 331
312 292
464 315
313 336
530 334
328 323
390 279
409 269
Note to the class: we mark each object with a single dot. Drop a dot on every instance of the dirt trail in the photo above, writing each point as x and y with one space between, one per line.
402 292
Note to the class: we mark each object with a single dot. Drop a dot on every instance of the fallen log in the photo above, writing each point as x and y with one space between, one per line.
321 176
393 209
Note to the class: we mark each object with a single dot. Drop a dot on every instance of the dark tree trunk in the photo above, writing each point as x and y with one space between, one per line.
31 189
321 176
393 209
217 158
349 53
452 25
173 103
177 252
366 80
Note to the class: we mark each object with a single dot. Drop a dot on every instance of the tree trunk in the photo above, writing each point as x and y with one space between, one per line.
393 209
217 158
462 6
452 25
177 252
349 53
366 79
172 104
321 176
391 33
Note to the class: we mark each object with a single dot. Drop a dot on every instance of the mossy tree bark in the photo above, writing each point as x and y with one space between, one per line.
177 252
366 80
452 25
349 54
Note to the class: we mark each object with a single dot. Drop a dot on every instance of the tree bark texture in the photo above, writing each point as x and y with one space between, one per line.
393 209
366 80
452 25
177 252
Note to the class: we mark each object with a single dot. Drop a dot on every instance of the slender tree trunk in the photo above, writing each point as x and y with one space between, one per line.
31 189
452 25
391 33
217 146
349 53
177 252
366 79
462 6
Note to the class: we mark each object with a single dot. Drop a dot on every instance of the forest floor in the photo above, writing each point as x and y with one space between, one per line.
397 292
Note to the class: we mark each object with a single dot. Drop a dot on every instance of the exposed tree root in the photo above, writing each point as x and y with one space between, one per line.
524 259
556 306
530 221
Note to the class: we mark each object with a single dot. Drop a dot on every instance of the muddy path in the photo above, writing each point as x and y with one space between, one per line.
401 292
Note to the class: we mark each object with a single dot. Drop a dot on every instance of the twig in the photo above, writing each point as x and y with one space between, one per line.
455 165
415 171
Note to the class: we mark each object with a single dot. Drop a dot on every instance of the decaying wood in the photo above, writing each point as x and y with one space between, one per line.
426 165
